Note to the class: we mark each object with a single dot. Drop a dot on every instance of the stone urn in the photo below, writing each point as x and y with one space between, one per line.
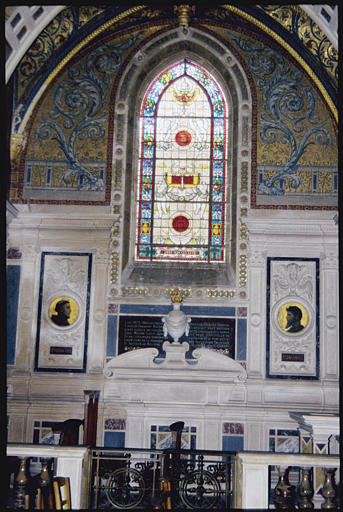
176 323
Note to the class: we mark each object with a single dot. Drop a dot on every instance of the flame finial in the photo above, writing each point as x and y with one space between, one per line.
176 295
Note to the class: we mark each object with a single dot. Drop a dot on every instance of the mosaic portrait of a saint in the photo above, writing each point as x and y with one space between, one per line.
63 311
293 317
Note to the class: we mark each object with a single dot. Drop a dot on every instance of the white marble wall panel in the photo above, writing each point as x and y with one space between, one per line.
292 340
256 321
27 308
65 277
330 318
97 317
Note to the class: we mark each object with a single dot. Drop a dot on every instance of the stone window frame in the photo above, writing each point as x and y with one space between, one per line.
139 73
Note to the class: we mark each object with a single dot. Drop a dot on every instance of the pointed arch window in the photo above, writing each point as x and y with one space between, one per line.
182 189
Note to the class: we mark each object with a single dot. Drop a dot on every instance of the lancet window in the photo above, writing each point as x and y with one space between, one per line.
182 189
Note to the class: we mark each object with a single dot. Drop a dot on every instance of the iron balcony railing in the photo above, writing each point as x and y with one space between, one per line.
124 478
140 479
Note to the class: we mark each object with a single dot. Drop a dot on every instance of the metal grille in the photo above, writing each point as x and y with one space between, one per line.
178 479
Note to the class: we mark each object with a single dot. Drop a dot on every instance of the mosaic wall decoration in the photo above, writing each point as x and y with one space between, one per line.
66 156
296 159
181 207
63 310
296 146
293 317
49 47
57 41
303 28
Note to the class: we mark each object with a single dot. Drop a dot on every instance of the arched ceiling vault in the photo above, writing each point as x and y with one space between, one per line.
289 26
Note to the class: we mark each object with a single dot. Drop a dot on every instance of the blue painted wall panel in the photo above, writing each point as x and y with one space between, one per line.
12 282
111 335
233 443
241 339
114 439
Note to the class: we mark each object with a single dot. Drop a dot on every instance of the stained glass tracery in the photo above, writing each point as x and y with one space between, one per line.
181 194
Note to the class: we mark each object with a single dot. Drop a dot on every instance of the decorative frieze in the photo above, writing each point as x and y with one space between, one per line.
244 177
243 271
114 267
220 294
134 291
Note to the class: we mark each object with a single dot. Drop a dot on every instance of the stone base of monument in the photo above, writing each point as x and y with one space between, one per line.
147 363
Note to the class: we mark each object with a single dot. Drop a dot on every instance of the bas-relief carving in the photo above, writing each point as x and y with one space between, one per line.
292 279
257 258
62 315
329 260
293 318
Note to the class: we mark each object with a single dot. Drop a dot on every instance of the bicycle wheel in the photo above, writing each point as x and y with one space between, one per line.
199 489
125 488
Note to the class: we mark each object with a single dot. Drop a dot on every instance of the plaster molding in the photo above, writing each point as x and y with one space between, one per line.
317 424
11 211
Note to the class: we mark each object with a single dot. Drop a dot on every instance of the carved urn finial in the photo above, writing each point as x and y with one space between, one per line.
184 12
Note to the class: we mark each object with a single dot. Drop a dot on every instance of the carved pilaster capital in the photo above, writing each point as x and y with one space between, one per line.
102 255
30 252
329 260
257 257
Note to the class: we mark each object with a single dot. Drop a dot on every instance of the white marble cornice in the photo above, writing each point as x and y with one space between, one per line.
326 424
306 230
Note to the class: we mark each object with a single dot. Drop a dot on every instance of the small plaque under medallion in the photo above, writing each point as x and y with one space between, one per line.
293 357
61 350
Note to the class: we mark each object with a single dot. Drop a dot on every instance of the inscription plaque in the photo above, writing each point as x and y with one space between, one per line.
61 350
300 358
141 332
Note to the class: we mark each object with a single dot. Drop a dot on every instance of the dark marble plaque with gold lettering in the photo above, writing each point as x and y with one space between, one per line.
141 332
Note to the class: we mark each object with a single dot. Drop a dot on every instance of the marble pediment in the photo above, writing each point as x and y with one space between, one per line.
146 363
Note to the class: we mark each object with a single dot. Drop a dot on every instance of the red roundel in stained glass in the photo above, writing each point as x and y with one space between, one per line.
180 223
183 138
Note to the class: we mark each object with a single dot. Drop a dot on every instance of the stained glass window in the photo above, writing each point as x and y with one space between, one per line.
181 196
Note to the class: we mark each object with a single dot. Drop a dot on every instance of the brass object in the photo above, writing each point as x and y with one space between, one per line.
305 490
284 492
184 12
176 295
20 485
328 490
